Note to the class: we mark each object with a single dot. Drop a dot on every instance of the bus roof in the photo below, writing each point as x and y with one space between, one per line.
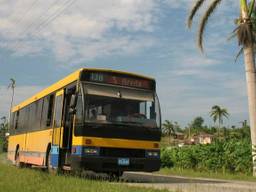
65 81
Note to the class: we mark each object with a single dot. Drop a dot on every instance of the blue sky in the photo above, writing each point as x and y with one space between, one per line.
43 41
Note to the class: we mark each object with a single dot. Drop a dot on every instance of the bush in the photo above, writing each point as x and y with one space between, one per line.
232 156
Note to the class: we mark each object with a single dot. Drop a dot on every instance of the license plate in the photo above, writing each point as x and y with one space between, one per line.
123 161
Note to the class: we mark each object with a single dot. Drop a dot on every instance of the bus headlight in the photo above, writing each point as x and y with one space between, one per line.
92 151
153 154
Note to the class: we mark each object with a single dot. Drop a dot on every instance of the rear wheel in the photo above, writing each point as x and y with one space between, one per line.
17 159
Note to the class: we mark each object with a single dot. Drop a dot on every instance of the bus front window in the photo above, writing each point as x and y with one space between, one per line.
102 109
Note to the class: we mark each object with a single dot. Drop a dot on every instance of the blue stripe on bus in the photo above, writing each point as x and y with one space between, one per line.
77 150
55 156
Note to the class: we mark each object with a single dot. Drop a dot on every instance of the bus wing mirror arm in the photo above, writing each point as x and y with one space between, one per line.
73 101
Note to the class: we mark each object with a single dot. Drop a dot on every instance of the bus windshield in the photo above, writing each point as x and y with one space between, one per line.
121 106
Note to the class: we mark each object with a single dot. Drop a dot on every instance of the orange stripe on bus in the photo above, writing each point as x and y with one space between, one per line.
32 160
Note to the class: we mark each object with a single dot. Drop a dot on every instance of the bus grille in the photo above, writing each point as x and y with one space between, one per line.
118 152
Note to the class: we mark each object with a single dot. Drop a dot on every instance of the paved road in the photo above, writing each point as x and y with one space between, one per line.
184 184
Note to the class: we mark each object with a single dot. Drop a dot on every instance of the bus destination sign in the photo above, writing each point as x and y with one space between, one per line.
120 80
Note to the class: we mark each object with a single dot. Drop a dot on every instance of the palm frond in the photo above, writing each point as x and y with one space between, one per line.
252 3
225 113
12 83
193 11
204 21
233 34
216 107
238 54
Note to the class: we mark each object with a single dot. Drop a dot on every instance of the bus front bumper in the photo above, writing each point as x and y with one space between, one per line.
110 164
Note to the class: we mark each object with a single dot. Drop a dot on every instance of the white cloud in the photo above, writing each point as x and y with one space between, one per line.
85 27
21 93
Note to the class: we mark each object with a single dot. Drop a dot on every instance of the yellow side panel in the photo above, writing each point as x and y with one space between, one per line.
38 140
120 143
13 141
31 142
77 140
57 140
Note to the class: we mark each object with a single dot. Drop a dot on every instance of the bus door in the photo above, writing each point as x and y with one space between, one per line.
57 129
68 125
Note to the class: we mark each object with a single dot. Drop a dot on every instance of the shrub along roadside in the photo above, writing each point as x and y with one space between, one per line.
232 156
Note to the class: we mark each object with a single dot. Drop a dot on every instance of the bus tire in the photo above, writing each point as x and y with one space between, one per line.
115 176
17 159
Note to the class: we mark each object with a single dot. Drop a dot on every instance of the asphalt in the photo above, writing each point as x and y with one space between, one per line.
186 184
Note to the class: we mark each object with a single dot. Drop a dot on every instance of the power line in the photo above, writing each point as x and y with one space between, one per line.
28 27
27 11
38 28
23 16
55 16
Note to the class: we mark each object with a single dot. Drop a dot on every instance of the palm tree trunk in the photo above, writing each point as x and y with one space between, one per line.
251 91
249 61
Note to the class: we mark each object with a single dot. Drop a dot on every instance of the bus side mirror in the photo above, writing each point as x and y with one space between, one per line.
73 102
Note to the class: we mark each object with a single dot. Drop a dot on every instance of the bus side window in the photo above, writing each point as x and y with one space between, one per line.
12 120
22 121
16 119
58 111
79 109
38 113
47 111
50 111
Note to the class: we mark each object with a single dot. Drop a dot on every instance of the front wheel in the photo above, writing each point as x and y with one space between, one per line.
115 176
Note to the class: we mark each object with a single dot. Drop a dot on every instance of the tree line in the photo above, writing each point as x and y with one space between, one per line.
196 126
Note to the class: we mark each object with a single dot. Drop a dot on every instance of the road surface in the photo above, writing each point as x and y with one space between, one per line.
185 184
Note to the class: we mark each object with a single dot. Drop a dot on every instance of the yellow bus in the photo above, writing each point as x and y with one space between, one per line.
94 119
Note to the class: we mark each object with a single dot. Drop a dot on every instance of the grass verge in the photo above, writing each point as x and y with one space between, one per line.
26 180
204 174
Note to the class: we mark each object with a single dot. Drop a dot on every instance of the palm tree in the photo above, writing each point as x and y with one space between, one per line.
217 113
11 85
168 129
245 33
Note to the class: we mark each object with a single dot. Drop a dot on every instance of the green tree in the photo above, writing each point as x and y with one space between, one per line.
168 129
196 126
3 130
245 33
217 113
244 132
197 123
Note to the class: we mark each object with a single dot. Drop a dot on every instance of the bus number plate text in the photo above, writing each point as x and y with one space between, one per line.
123 161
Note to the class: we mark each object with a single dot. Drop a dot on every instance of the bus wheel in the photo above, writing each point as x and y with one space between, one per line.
49 167
115 176
17 159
